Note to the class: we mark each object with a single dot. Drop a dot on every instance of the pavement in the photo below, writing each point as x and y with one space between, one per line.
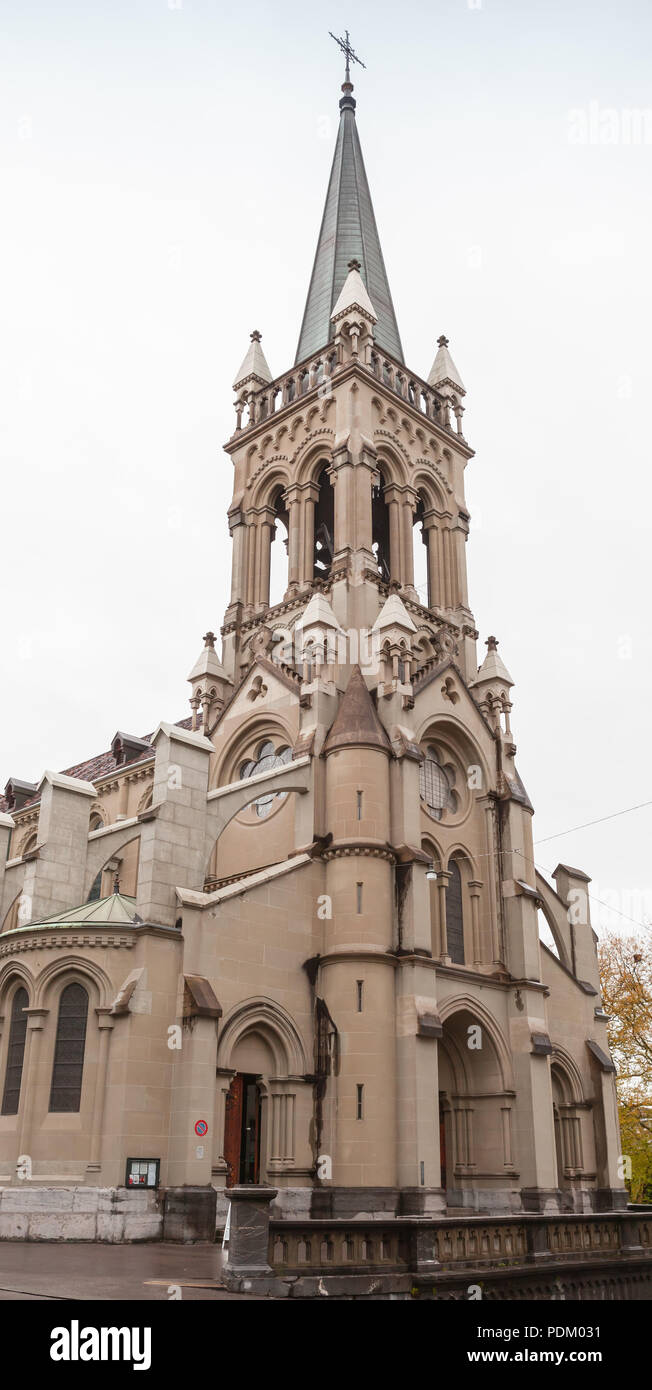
88 1271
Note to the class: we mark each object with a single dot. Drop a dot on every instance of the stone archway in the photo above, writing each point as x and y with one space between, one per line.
475 1106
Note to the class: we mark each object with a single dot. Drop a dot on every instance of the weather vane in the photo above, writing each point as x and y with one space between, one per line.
346 48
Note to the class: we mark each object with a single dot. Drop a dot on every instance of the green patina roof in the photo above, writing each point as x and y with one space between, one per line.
348 231
117 910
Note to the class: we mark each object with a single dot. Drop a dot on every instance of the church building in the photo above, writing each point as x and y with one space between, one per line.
293 942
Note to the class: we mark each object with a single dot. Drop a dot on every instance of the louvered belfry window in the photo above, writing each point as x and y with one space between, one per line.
15 1053
65 1093
454 918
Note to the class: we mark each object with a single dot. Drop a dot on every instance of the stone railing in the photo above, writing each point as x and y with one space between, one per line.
469 1241
316 374
393 1253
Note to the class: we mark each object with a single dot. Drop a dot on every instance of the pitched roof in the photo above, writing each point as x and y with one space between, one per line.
348 231
356 723
101 765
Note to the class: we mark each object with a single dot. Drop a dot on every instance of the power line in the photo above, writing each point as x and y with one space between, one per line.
600 821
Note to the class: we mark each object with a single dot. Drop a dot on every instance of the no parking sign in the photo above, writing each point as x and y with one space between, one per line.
201 1128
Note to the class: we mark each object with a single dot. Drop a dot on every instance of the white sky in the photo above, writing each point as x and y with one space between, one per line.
163 173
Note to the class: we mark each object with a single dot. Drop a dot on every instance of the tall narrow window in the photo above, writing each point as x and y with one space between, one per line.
454 918
359 804
358 1102
358 887
67 1071
15 1053
359 994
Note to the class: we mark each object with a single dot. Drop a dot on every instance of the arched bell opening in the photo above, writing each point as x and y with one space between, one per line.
420 554
278 568
380 529
324 527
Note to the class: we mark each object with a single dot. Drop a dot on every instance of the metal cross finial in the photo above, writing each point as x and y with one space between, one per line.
346 48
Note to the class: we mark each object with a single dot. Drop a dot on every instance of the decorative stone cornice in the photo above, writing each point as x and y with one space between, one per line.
359 851
43 940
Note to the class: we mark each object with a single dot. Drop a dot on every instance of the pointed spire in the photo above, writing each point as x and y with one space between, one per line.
356 723
318 613
254 367
443 371
353 295
393 614
208 663
493 667
348 230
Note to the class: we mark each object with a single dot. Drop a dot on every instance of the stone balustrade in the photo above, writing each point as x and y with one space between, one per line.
307 1246
600 1254
316 375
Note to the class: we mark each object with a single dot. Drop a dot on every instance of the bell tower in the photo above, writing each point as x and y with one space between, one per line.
346 452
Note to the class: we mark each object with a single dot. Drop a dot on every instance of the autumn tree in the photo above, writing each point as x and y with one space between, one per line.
626 975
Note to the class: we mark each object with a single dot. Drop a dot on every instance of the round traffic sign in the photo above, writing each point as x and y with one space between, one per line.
201 1127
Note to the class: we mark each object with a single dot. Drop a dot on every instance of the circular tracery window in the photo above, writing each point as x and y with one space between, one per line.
436 782
266 758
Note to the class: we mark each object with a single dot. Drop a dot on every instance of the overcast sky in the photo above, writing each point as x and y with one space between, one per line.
163 173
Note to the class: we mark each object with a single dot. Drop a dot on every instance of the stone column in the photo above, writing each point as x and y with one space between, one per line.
459 537
395 548
434 560
174 849
443 877
448 595
266 529
492 876
342 476
407 510
238 532
307 537
252 537
475 889
292 501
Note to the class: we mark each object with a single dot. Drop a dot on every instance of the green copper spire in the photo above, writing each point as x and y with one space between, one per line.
348 231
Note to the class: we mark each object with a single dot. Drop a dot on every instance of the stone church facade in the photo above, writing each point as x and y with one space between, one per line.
292 942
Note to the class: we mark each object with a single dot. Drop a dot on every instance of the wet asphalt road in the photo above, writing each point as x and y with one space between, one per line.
48 1270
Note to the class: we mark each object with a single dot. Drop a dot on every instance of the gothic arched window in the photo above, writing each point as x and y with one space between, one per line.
266 758
454 914
15 1053
436 785
68 1066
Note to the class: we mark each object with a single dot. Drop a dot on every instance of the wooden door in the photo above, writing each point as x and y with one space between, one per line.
250 1148
233 1130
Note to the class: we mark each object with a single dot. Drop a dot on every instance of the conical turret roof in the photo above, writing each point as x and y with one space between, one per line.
356 723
